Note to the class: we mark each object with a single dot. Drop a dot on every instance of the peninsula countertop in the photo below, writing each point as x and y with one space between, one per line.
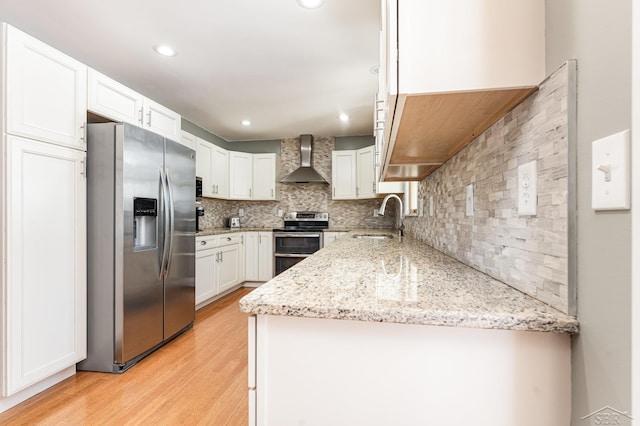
400 281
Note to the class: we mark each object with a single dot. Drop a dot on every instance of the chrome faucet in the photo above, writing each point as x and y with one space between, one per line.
400 209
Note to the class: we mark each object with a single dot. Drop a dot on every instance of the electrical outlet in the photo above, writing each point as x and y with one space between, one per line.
469 198
431 205
528 189
240 212
280 213
375 212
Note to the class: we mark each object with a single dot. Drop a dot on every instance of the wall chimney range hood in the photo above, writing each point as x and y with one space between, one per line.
305 173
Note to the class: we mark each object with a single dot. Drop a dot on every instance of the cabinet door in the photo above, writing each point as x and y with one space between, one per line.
229 267
240 175
366 184
343 175
206 268
265 243
188 140
252 256
113 100
161 120
46 275
46 92
264 177
204 152
220 172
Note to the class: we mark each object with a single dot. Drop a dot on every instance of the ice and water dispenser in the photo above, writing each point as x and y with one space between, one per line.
145 221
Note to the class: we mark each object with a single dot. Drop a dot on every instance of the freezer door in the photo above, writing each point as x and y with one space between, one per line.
179 285
139 295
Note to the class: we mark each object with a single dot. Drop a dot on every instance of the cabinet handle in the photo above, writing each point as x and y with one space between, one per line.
221 258
140 118
217 257
249 192
271 192
83 132
216 188
357 191
149 118
83 171
241 239
374 186
203 243
334 191
228 238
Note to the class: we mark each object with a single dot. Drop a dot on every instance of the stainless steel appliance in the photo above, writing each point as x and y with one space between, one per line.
301 236
199 214
141 244
198 188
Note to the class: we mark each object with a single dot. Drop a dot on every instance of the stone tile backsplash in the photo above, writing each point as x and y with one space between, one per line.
530 253
297 196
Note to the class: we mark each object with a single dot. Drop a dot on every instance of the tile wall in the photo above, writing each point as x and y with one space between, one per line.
295 197
528 253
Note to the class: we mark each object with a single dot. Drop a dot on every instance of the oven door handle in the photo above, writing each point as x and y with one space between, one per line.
291 255
295 235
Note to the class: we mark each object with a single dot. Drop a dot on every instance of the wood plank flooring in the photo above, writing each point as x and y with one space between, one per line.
200 378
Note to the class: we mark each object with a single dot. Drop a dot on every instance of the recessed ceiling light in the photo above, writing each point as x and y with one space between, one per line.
343 117
245 123
310 4
164 50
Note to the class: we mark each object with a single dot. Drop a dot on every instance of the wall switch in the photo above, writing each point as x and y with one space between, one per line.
240 212
528 189
431 205
469 198
420 207
280 213
610 172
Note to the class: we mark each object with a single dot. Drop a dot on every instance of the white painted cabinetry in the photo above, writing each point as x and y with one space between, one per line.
115 101
204 168
46 91
343 175
365 172
330 237
259 256
43 215
240 175
220 172
220 265
266 168
188 140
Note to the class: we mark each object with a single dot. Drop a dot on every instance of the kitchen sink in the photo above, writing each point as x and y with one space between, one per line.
373 236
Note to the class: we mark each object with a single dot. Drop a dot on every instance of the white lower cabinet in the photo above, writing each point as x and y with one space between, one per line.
220 264
330 237
259 256
44 249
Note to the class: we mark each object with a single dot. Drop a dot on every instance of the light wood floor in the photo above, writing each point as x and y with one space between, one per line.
198 378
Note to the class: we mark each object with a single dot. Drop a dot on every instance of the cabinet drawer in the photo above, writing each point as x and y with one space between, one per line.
204 243
228 239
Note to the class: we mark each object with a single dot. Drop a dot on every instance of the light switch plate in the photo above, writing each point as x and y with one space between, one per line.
469 199
610 172
431 205
528 189
420 207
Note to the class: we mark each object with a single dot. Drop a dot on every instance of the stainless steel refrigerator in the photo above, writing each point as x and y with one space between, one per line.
141 244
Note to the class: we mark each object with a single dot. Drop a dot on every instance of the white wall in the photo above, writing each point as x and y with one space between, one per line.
598 34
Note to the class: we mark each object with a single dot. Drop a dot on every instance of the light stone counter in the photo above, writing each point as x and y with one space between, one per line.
404 282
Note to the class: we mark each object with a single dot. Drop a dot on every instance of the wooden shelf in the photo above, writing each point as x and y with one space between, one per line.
434 127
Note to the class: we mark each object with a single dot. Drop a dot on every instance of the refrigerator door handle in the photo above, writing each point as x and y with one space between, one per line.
165 199
171 213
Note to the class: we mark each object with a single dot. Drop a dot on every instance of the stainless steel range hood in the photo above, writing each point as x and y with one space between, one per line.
305 173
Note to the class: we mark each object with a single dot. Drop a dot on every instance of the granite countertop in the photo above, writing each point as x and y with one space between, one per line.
403 282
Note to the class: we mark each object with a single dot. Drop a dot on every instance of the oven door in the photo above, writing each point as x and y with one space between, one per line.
290 248
297 242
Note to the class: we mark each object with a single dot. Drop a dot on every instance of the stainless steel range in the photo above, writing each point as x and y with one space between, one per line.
301 236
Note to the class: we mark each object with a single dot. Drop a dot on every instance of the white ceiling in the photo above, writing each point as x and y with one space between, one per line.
289 70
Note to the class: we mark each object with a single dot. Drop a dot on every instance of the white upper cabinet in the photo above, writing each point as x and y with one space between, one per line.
161 120
266 168
240 175
449 70
188 140
343 175
115 101
220 172
365 171
204 155
46 91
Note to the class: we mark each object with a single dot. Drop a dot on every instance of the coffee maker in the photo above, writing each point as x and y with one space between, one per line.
199 213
